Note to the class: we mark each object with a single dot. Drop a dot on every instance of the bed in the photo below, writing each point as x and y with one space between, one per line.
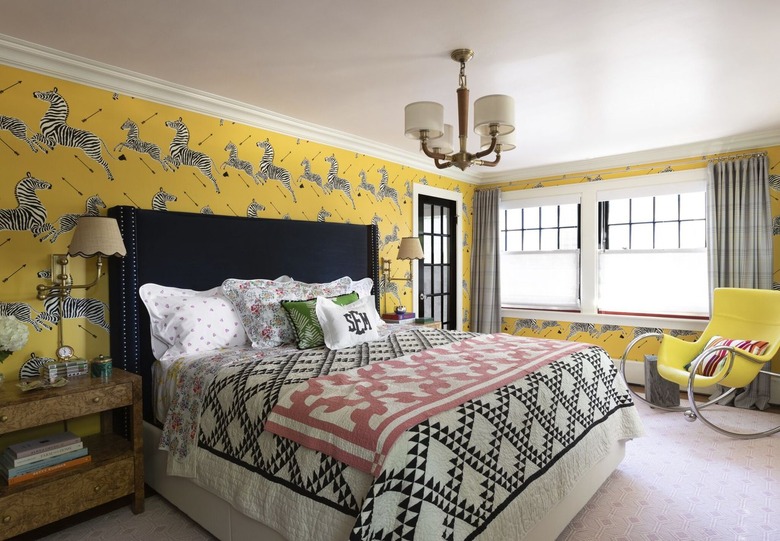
275 488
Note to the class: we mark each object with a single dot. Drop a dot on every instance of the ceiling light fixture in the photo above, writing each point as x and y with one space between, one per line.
494 118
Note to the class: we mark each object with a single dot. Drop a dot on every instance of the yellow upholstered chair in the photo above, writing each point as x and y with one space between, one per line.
739 314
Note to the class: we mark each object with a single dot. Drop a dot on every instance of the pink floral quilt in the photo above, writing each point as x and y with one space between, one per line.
357 415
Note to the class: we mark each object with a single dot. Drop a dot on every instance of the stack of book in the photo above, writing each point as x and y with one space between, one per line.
64 369
34 458
406 317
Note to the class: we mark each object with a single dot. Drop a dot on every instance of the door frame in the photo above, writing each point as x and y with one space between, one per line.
457 197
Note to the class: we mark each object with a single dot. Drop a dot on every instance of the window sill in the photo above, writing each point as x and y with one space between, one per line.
611 319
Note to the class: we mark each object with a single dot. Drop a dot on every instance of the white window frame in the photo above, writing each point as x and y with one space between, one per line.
589 194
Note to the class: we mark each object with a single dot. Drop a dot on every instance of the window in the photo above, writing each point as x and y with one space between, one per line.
540 263
633 246
652 252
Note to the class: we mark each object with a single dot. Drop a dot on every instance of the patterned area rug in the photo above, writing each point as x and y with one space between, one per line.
682 481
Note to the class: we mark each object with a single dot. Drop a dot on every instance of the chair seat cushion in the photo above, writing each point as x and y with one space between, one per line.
714 361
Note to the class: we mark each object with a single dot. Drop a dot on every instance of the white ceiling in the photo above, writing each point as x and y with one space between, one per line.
590 79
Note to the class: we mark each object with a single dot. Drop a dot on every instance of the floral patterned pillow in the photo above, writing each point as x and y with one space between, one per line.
258 303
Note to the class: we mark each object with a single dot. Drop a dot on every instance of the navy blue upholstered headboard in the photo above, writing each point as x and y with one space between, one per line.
199 251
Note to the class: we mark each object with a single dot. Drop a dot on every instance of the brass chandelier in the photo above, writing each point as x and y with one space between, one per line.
494 118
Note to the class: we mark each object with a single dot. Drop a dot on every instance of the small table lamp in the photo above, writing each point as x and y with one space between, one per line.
410 249
94 236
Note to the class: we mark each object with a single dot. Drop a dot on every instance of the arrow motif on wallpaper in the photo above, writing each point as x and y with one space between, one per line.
6 241
148 118
206 139
66 181
10 87
9 146
149 167
90 116
86 331
248 137
285 156
131 200
190 198
14 272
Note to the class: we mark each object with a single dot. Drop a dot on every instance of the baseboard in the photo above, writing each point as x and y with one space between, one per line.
635 374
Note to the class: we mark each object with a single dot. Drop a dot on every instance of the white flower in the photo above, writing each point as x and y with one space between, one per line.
13 334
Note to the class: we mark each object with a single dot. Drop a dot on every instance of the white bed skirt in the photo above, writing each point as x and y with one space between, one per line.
223 521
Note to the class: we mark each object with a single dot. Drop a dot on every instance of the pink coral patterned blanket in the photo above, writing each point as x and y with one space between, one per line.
357 415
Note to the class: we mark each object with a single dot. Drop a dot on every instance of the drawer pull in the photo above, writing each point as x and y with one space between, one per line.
6 519
97 488
3 418
96 399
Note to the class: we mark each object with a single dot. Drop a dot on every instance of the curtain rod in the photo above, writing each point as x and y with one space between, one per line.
599 175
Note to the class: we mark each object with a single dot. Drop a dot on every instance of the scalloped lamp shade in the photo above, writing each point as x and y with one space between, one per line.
97 235
410 248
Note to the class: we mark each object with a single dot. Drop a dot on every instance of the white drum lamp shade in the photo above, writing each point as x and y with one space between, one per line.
442 144
507 142
424 115
495 109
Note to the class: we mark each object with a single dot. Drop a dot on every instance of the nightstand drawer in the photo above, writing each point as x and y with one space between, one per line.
57 408
35 507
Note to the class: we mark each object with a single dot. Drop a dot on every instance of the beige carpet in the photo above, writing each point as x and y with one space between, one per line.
682 481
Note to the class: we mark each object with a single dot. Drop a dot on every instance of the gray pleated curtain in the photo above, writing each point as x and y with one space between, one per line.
739 239
485 267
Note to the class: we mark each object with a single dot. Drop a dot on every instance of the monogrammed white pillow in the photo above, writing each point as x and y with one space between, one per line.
349 325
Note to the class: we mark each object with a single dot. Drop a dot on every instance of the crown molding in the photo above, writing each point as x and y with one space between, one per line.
47 61
735 143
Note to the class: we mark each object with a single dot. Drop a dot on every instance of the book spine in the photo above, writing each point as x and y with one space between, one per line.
35 466
35 447
51 469
399 317
15 462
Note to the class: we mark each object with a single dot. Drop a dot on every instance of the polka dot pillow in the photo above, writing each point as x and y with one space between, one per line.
186 322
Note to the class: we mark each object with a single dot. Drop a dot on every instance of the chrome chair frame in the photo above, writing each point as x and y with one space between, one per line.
693 411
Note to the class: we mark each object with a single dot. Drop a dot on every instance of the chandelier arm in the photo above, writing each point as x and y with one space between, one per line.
491 148
488 164
434 155
442 165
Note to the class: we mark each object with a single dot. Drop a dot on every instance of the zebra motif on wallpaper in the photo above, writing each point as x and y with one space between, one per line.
609 328
323 215
388 287
161 199
366 185
67 222
19 130
392 237
182 154
549 325
24 313
308 175
30 214
133 142
269 171
93 310
55 130
776 225
774 182
576 328
235 162
408 193
376 219
386 191
521 324
253 210
206 210
335 182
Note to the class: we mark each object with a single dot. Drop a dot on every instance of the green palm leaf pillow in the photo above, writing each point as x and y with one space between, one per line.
303 317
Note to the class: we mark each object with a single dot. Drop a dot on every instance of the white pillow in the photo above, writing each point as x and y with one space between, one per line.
363 287
185 321
348 325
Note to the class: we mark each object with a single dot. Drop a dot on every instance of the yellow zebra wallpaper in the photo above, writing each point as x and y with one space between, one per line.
67 149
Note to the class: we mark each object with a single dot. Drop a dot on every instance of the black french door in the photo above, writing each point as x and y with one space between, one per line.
436 224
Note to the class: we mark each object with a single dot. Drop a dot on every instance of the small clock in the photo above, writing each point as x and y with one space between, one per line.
64 353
